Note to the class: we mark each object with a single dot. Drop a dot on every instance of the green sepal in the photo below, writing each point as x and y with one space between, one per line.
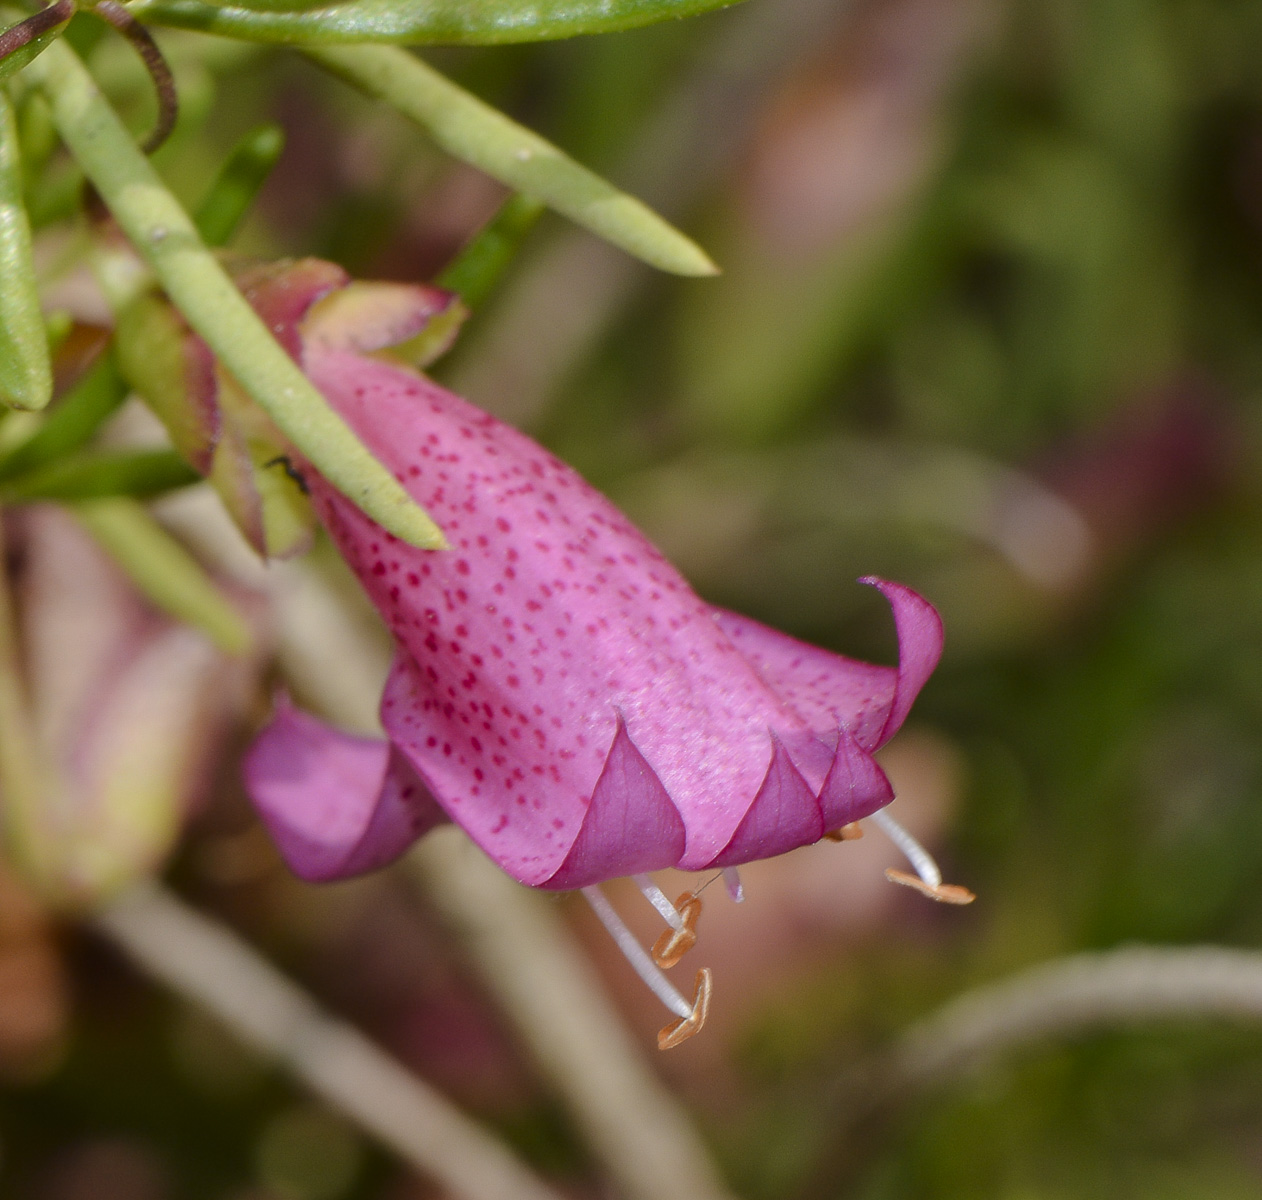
256 480
172 370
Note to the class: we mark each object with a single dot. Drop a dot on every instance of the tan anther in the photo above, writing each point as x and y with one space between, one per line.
675 943
685 1027
944 893
850 832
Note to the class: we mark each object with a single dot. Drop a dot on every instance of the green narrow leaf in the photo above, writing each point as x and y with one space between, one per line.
238 183
26 377
98 473
196 283
22 41
475 271
417 21
72 424
481 135
164 571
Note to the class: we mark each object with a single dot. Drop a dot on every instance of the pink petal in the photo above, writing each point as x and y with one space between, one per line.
631 824
856 786
919 648
550 616
335 805
784 815
830 691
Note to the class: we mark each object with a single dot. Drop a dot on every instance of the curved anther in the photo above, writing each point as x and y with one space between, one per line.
675 943
928 879
847 833
36 25
680 1031
142 42
944 893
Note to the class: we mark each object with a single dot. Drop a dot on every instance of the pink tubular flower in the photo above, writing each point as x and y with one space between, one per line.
558 690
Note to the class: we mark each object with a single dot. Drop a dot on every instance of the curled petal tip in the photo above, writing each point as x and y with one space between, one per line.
919 647
680 1031
944 893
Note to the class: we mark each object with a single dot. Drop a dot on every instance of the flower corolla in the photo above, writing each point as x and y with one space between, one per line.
558 689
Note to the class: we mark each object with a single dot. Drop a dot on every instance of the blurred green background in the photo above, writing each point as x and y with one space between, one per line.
990 323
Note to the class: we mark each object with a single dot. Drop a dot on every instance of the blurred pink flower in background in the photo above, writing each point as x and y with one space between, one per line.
130 707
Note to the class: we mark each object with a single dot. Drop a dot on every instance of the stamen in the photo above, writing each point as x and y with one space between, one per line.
675 943
671 1035
657 898
929 882
732 878
713 879
920 858
638 957
944 893
849 832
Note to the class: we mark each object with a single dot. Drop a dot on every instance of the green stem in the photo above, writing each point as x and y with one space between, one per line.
471 130
164 234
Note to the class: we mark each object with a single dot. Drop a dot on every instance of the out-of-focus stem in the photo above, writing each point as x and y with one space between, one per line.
162 569
22 777
1063 998
1073 995
164 234
213 968
544 983
530 964
513 937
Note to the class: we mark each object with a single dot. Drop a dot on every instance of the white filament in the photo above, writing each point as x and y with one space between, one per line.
635 954
920 858
659 900
735 889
